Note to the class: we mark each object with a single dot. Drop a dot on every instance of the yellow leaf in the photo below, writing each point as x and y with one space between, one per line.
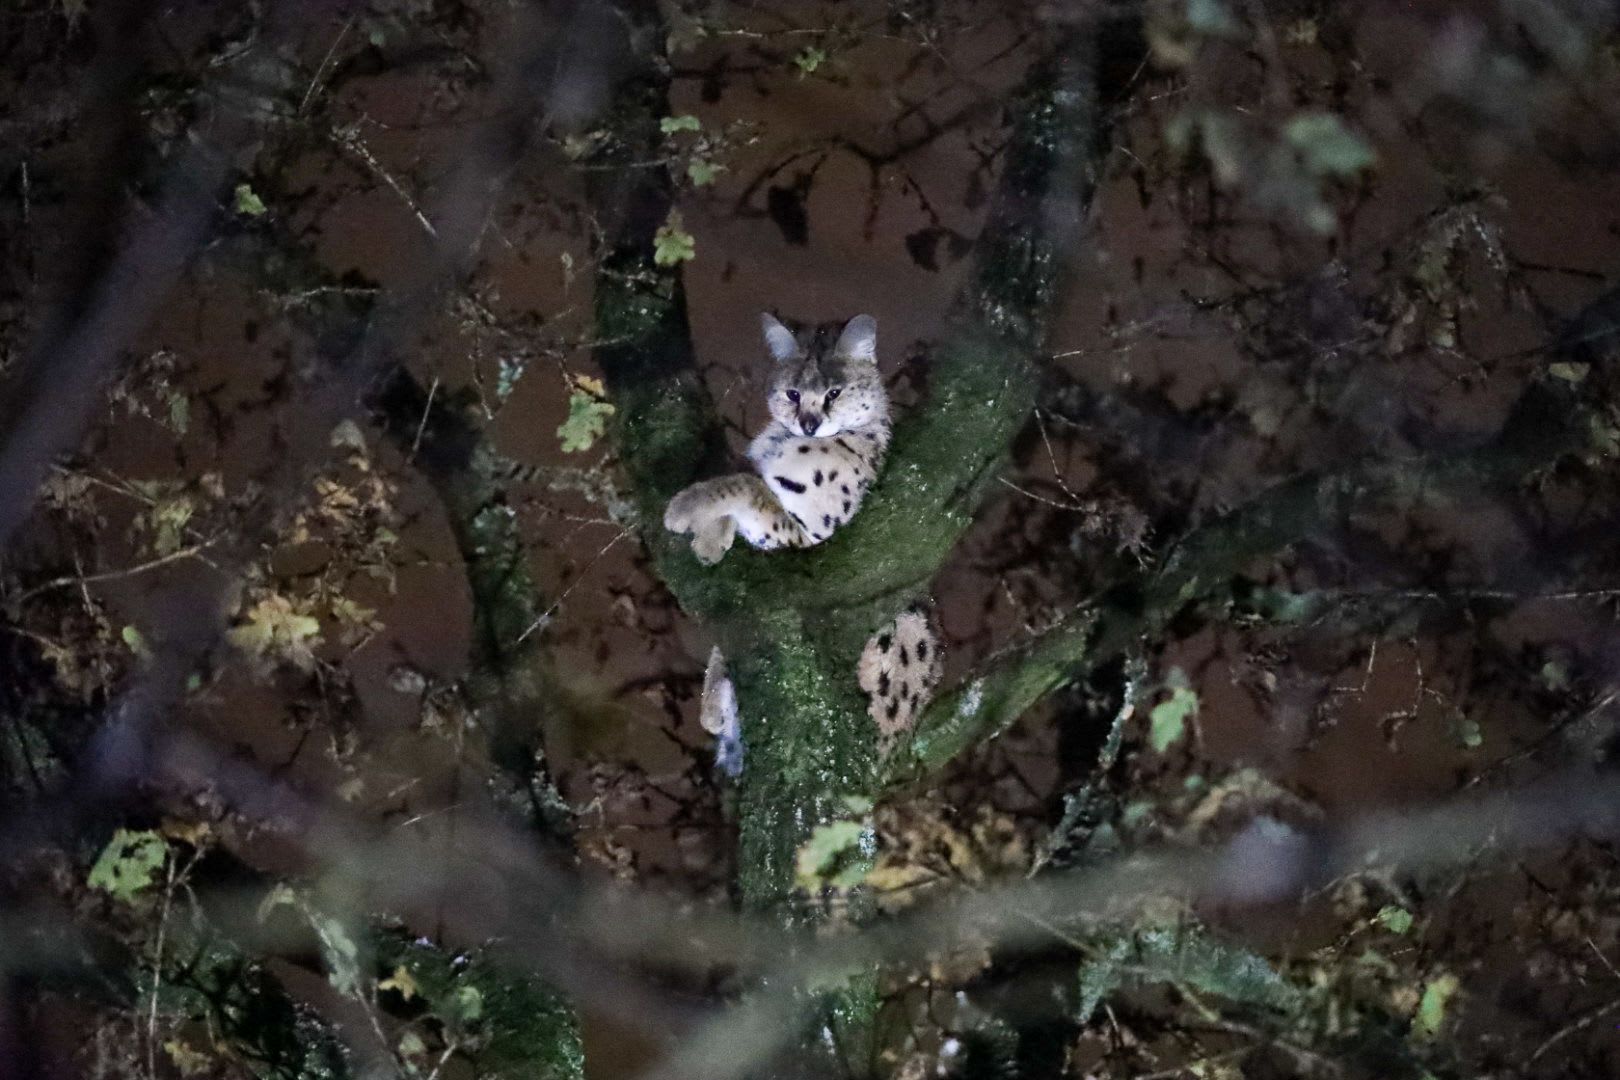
402 982
591 386
195 833
190 1062
275 630
280 896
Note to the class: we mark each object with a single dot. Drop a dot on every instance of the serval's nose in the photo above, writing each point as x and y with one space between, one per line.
809 423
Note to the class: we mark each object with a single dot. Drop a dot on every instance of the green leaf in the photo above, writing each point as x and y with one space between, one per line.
809 58
1135 812
587 421
1101 977
248 202
341 952
129 864
465 1004
673 245
1168 721
1326 146
1395 919
1190 956
1185 956
276 629
179 413
669 125
168 519
833 856
136 642
1288 605
1468 733
702 173
1437 994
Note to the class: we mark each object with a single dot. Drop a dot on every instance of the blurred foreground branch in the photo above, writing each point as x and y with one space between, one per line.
1551 419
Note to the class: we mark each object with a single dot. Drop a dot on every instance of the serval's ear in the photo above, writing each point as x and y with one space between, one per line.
859 339
779 340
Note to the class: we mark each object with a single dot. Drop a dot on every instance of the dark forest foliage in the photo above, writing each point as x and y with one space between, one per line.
1255 373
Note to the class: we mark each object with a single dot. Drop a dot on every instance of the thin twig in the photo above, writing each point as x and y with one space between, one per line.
1051 458
1601 956
320 69
545 616
450 1048
416 443
349 139
1038 498
157 971
113 575
1579 1024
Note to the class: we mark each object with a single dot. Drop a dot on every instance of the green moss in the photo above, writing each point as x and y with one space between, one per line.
510 1026
666 434
807 743
852 1016
991 702
1046 180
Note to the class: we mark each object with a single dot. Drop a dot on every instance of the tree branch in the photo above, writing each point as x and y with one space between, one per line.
792 623
1548 422
982 383
509 677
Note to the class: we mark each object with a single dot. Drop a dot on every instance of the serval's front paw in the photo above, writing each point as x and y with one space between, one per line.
696 511
712 539
699 512
681 515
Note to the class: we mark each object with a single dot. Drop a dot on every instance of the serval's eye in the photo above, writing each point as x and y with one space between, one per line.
793 396
832 395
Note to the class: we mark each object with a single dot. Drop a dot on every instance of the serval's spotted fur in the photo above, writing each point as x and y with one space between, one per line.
815 460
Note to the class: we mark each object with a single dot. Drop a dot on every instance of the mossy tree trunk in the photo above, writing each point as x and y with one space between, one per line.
792 623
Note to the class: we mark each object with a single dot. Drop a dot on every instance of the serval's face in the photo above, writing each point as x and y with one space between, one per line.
826 378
